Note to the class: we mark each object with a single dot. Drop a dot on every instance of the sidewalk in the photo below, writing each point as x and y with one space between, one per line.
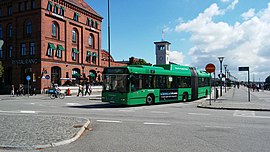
237 99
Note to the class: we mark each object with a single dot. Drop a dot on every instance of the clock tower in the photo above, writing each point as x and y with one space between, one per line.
162 52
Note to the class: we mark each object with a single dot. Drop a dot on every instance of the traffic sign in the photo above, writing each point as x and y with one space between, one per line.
47 77
210 68
28 78
243 68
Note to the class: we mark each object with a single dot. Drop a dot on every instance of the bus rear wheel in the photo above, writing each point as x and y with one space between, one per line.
150 99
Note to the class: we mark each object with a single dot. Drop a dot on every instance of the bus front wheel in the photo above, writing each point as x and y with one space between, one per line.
150 100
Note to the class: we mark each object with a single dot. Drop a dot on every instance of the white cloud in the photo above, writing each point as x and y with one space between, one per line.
249 14
233 4
224 1
242 44
176 57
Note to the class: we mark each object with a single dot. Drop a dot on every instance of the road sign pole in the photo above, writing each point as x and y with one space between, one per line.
28 88
248 87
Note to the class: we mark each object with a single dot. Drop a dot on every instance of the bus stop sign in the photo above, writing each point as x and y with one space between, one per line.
210 68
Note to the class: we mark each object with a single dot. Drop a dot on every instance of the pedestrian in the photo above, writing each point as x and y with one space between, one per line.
88 89
12 90
80 90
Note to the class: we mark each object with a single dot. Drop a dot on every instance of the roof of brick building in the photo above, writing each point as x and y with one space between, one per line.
84 5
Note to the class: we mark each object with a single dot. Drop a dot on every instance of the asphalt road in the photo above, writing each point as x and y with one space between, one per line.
164 127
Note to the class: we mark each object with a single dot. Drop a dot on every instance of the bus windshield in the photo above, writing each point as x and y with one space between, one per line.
115 83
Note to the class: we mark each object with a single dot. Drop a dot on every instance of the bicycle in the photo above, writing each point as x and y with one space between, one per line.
57 94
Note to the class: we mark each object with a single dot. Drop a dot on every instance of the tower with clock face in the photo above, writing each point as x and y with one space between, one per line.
162 52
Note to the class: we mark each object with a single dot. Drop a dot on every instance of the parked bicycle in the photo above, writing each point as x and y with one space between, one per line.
56 93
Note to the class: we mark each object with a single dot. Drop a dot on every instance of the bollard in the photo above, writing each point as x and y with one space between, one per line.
68 92
216 93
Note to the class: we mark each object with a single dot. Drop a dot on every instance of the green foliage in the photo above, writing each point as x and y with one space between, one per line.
141 62
1 69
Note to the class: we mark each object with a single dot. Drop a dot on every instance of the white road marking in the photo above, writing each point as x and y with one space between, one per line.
156 123
238 113
159 112
27 111
73 104
199 114
127 110
110 121
221 127
32 103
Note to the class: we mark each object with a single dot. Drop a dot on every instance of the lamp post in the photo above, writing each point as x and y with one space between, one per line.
225 67
109 34
220 61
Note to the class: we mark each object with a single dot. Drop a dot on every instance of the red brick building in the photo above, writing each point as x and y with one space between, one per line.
50 40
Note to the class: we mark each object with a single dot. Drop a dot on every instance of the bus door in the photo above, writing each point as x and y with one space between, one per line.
194 83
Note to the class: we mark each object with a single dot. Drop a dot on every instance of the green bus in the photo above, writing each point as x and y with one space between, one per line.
139 84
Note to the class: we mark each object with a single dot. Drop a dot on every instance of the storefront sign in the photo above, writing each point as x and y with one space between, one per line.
25 61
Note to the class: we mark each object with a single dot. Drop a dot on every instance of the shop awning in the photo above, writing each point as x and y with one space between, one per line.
94 54
91 75
51 45
60 47
76 75
75 50
89 53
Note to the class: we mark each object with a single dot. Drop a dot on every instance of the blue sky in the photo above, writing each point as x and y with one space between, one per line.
199 31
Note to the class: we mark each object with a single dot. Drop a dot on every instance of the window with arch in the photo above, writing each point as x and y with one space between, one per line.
1 32
28 27
91 40
55 30
74 35
10 31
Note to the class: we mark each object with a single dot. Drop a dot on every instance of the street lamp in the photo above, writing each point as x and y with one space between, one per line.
109 34
220 61
225 67
83 71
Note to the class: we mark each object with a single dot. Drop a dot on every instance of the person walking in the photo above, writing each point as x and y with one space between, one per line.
88 89
12 91
80 90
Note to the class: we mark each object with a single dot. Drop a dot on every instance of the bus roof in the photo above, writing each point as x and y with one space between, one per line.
166 69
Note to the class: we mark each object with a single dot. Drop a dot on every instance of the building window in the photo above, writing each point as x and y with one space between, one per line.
94 57
10 11
10 31
28 28
90 40
55 10
51 47
88 21
20 7
59 51
26 6
49 6
54 29
33 4
62 11
1 32
74 54
74 35
23 49
88 56
10 51
96 24
76 16
32 48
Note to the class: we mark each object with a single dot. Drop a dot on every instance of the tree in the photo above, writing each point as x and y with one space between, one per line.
1 69
141 62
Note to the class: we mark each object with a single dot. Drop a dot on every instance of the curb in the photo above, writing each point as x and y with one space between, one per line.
231 108
68 141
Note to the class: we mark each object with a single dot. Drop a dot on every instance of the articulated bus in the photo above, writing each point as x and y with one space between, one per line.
139 84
